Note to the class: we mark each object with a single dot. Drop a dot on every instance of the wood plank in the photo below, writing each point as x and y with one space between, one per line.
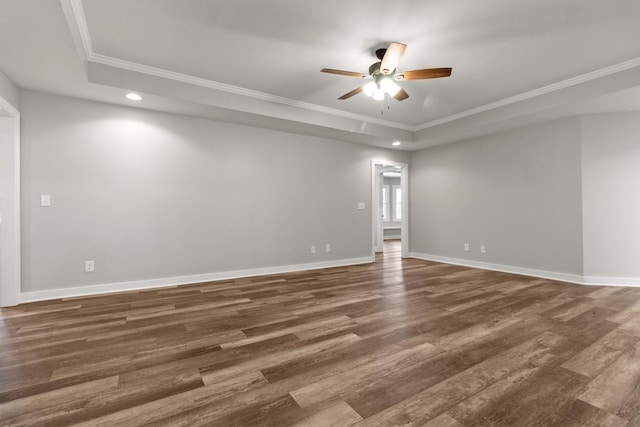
617 388
397 341
338 414
434 400
595 358
548 401
443 420
340 384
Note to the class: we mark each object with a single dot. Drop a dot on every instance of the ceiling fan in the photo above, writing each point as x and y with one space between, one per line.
384 75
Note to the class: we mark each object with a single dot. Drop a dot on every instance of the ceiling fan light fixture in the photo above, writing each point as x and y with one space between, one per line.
378 94
388 86
370 88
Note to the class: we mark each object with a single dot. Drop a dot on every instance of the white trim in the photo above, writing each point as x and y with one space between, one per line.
572 278
394 218
404 221
376 205
183 280
80 36
385 212
573 81
80 28
612 281
563 277
250 93
377 233
10 252
9 108
201 278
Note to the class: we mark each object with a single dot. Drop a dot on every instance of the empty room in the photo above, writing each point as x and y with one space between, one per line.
248 213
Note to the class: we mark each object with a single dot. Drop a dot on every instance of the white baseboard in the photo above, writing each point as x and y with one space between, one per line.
226 275
183 280
612 281
563 277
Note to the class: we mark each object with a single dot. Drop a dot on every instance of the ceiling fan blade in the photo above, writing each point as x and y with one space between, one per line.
353 92
343 73
427 73
392 57
401 95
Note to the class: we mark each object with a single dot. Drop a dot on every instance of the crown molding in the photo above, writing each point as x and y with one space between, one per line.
210 84
78 28
564 84
80 33
82 30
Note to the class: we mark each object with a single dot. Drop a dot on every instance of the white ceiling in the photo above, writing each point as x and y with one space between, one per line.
258 62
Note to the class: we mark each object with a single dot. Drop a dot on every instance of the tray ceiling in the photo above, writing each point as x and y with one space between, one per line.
259 62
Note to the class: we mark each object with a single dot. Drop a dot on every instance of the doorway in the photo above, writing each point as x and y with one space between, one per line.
9 204
390 204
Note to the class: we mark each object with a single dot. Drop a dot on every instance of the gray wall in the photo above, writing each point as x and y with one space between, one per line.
611 195
9 91
152 195
517 192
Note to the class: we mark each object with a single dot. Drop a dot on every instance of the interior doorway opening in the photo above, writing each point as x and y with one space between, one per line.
390 205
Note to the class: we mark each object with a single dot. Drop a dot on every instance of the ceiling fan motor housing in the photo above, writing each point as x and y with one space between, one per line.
375 68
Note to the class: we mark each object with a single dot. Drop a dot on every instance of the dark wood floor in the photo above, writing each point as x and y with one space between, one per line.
397 342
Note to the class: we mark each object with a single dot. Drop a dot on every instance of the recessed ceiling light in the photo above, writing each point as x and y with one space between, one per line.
133 96
396 143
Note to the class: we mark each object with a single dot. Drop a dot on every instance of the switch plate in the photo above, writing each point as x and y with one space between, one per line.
89 266
361 206
313 249
466 247
45 200
327 247
483 249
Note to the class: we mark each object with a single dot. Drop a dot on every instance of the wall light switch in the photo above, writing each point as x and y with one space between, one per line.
45 200
361 206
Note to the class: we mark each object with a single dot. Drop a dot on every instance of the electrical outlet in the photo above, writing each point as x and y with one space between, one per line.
483 249
45 200
89 266
466 247
313 249
327 247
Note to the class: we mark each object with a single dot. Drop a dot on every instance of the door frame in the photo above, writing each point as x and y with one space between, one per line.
377 238
10 262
